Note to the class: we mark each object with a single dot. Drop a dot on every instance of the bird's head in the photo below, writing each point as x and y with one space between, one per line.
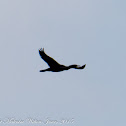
77 66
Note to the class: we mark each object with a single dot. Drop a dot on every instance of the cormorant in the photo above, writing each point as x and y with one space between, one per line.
55 66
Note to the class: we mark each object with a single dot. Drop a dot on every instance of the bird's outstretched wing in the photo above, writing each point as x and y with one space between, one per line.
49 60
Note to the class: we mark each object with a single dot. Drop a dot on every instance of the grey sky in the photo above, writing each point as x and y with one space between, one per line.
71 31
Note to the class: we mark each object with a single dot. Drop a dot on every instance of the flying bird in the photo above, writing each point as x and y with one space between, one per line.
54 66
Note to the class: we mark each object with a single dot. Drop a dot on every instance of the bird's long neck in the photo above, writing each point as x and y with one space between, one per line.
72 66
48 69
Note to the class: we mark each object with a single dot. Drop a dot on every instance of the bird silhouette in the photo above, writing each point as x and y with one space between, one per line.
55 66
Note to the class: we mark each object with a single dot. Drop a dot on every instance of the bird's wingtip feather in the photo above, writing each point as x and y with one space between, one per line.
41 49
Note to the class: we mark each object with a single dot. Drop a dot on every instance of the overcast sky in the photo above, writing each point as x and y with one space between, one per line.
91 32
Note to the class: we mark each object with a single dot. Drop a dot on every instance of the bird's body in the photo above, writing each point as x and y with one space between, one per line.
55 66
